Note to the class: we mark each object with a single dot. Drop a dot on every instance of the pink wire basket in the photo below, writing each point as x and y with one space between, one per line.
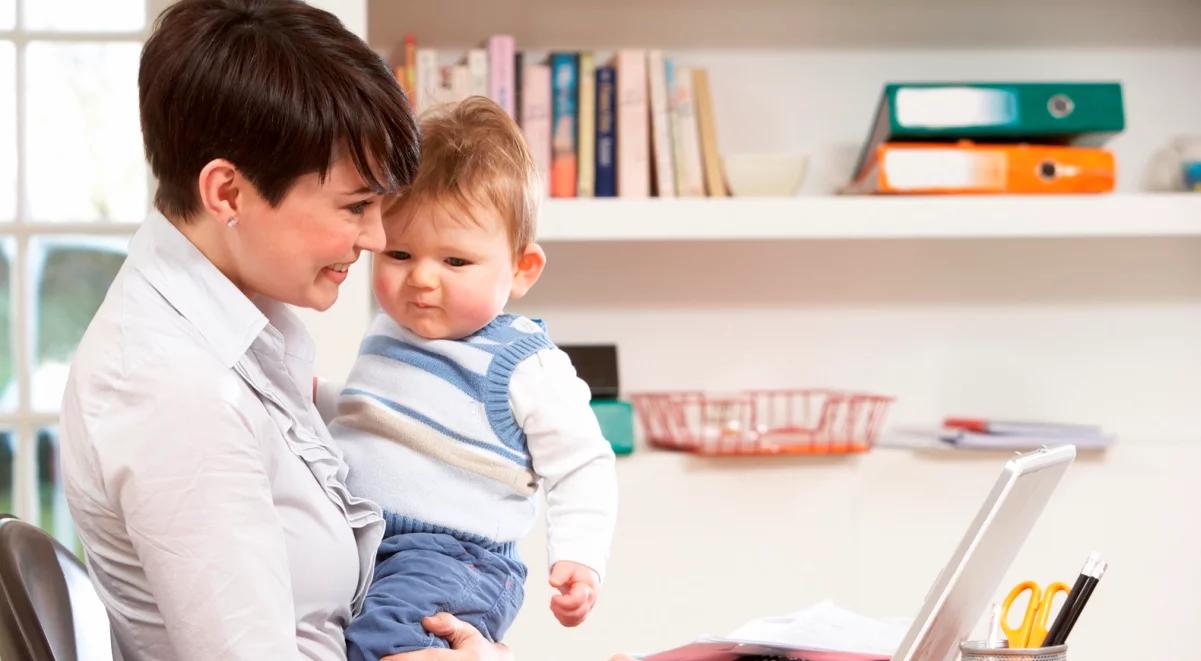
762 422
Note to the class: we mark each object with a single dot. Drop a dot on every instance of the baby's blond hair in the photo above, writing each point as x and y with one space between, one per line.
473 155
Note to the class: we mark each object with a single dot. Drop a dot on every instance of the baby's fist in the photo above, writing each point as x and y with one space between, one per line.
578 587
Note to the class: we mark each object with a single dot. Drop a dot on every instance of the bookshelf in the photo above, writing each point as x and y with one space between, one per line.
822 217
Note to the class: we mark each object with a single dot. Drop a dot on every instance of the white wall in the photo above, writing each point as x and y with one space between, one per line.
1099 330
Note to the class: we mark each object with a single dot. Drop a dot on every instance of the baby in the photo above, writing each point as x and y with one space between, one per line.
456 413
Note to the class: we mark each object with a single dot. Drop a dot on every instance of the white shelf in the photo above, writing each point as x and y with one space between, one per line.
817 218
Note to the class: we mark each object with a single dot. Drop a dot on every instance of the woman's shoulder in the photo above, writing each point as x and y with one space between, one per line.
138 345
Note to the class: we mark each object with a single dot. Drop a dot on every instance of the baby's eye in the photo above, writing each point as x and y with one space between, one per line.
457 261
397 254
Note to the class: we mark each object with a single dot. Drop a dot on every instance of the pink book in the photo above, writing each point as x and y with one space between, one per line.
535 117
501 83
633 131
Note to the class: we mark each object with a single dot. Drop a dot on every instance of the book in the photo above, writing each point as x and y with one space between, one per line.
633 139
518 81
535 118
662 157
685 135
457 81
586 128
477 67
938 168
1084 113
429 80
715 181
500 72
606 132
564 88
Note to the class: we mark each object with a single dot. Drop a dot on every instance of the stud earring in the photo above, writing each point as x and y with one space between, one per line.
232 222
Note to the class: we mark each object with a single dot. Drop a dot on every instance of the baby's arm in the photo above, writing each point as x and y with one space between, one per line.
576 465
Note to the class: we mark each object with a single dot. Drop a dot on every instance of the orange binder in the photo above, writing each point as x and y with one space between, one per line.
965 167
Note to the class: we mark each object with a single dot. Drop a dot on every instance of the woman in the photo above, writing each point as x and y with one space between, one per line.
202 480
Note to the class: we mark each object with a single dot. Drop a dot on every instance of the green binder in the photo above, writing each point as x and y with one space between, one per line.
1044 113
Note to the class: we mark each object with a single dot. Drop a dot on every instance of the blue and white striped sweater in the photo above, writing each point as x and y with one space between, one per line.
429 432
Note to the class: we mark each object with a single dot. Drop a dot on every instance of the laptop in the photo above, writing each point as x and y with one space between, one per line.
966 586
961 593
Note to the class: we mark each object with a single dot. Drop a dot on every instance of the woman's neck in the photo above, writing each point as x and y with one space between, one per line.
213 239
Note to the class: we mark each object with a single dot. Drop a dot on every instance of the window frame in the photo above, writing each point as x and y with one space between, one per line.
25 421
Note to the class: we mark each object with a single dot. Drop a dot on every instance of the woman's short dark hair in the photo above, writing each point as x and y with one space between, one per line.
276 87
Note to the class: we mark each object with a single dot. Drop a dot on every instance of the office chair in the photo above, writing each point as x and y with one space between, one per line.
49 610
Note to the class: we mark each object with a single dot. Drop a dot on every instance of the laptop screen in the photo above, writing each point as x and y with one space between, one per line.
966 585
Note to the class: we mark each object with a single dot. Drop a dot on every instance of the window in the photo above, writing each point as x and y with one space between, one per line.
73 187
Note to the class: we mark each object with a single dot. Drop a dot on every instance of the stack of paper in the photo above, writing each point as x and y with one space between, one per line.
984 434
963 434
824 632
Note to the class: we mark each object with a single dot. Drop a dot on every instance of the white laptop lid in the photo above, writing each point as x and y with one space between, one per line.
967 584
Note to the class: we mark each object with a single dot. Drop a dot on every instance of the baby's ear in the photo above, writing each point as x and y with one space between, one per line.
529 267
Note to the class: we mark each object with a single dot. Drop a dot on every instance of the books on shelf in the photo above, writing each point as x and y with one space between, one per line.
965 137
634 125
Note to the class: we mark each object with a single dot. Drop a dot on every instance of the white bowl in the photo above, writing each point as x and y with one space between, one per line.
764 175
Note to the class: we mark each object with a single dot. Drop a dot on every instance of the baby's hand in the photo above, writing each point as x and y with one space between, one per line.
578 586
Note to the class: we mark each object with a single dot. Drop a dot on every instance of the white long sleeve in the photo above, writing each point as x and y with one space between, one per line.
571 455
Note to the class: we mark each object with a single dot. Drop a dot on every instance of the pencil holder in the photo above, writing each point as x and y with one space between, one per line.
977 650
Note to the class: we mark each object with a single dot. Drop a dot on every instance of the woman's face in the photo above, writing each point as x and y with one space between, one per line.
299 251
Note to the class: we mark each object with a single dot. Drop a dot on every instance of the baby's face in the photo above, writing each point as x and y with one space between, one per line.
444 274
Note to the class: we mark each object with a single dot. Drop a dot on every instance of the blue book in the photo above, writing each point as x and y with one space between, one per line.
564 68
606 132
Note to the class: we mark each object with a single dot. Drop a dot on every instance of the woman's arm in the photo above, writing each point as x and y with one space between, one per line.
191 483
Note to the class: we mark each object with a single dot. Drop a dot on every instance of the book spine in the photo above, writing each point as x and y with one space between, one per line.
606 132
690 173
429 80
663 160
564 87
535 119
518 83
477 65
500 72
715 181
633 139
586 133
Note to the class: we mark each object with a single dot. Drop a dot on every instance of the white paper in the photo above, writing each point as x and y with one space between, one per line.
827 627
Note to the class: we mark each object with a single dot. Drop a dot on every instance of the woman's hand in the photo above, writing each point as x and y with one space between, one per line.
466 643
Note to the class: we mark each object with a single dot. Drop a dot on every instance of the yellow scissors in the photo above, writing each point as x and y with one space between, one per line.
1033 629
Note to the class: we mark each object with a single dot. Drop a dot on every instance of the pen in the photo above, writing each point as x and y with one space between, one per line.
1093 569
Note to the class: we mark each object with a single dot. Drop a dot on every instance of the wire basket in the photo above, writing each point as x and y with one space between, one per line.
762 422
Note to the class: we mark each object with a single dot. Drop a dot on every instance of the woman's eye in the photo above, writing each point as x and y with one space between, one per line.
457 261
359 207
397 254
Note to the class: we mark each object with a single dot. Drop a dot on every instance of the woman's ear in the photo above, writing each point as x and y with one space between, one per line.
218 187
530 263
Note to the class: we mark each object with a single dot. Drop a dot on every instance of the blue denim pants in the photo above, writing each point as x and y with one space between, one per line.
418 574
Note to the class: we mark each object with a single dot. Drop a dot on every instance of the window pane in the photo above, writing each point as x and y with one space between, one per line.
8 14
70 276
8 131
83 142
7 442
85 15
8 377
53 515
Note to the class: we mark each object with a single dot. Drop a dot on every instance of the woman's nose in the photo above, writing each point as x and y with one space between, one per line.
371 236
